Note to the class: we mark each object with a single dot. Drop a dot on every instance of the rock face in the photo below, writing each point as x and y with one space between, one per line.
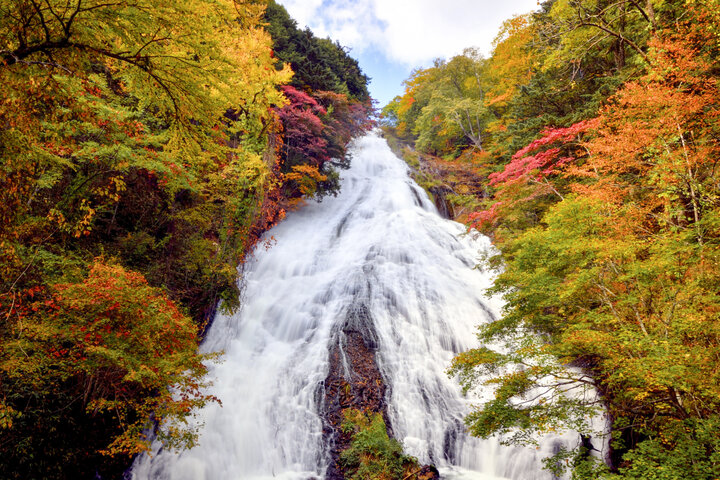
441 178
354 381
439 196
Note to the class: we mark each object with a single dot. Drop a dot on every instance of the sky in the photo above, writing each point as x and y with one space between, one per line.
392 37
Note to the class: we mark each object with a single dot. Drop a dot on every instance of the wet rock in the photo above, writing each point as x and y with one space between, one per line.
428 472
439 196
354 381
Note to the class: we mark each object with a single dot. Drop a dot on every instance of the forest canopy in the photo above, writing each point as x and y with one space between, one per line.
594 125
144 148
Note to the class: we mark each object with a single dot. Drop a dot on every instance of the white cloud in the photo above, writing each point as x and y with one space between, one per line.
411 32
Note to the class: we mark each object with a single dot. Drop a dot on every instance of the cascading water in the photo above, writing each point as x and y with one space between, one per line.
381 248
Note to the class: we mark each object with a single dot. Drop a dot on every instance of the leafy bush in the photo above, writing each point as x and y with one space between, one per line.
373 455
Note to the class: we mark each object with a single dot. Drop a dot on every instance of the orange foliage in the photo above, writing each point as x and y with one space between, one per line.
654 145
306 177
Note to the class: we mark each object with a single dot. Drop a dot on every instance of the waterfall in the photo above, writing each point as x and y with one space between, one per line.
379 247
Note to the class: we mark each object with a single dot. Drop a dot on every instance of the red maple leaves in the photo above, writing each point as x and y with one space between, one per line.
546 161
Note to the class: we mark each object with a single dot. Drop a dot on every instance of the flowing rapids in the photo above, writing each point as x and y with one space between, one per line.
379 251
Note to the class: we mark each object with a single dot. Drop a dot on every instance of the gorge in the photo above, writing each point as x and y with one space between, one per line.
375 269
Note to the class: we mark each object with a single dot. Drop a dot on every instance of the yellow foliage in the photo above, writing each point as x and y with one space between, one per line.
307 178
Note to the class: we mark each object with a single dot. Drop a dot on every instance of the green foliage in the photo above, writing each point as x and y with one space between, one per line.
532 393
144 132
695 453
579 462
373 455
598 123
319 64
455 112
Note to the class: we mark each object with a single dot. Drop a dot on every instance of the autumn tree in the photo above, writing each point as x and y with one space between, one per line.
599 149
319 63
92 358
533 180
620 27
86 118
142 137
617 277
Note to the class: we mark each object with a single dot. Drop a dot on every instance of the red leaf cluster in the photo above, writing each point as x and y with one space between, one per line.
545 161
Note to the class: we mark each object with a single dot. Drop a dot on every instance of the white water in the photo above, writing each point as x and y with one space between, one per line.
379 246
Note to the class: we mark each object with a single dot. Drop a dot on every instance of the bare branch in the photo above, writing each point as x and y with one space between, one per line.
620 37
